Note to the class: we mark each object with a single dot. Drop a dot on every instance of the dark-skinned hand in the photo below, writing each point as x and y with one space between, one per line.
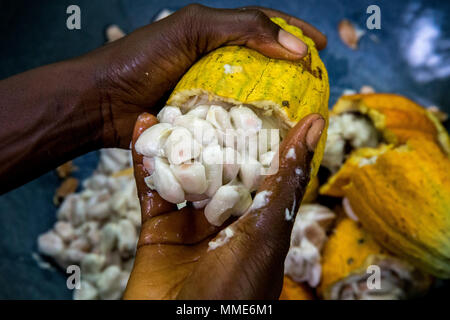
55 113
138 71
173 259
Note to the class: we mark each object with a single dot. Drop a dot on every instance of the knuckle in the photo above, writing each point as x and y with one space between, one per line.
258 24
255 15
193 8
187 24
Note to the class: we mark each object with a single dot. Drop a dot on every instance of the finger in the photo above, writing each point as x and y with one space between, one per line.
272 213
309 30
250 253
251 27
143 122
151 202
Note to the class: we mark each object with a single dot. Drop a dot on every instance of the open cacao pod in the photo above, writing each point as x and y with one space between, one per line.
233 92
399 187
396 117
347 259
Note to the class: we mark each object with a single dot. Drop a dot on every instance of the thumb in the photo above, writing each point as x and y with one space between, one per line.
272 213
151 202
247 26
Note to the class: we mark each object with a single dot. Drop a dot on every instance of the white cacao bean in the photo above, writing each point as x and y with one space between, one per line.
246 143
199 112
200 204
96 182
78 215
123 280
181 147
64 230
165 182
92 263
67 207
202 131
98 207
219 209
86 292
134 215
231 164
250 174
71 256
168 114
127 238
228 200
266 158
219 118
81 244
50 244
108 237
245 200
212 158
108 283
268 140
151 142
244 118
191 176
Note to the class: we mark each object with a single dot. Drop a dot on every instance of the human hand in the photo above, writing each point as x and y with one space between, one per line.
57 112
135 73
173 259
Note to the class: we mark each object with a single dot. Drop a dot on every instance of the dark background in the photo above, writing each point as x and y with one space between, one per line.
410 55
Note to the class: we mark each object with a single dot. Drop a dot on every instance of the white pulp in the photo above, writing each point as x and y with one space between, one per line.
212 156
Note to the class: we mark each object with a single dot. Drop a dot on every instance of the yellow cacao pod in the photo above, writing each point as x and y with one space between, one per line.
285 90
346 257
396 117
401 195
312 191
295 291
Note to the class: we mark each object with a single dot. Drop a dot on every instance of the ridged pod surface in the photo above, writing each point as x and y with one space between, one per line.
345 251
348 253
401 195
284 89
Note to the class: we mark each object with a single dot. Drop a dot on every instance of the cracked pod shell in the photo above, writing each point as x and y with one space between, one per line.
348 253
402 197
396 117
285 90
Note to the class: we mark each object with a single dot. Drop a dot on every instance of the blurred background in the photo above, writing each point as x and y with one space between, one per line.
409 55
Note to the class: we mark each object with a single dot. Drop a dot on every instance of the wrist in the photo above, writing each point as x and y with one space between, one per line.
82 102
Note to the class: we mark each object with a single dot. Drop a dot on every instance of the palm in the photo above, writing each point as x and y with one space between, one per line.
172 242
170 248
174 258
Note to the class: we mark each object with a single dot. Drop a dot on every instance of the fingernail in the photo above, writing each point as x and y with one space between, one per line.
314 134
292 43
